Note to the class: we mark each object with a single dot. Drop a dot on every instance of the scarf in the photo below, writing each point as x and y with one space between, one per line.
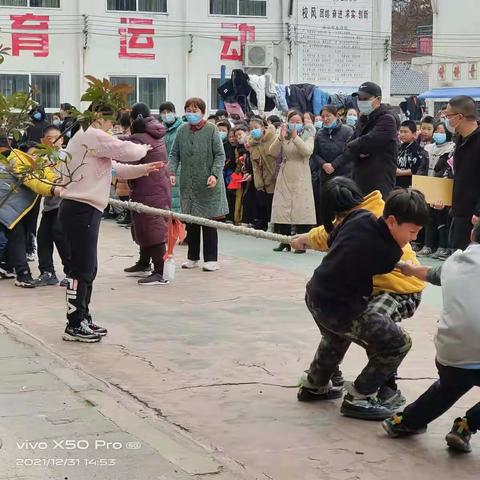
198 126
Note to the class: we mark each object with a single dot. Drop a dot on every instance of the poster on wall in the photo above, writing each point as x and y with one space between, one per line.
334 39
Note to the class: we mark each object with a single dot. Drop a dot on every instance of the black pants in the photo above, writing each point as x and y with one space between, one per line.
249 204
210 243
81 225
442 395
50 234
264 209
17 247
460 231
436 231
231 197
284 229
154 253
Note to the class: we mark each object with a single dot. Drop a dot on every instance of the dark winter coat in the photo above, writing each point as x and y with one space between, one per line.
411 156
169 140
300 97
153 190
466 180
329 147
374 150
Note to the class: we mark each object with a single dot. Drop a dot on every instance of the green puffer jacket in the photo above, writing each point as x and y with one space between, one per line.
169 141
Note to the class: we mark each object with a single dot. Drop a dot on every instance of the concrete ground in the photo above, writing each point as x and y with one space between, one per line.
210 363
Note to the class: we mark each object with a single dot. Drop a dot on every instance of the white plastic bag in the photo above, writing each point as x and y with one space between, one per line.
169 269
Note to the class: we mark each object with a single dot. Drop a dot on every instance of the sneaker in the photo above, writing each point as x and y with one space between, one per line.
46 279
31 257
309 392
189 264
392 399
425 252
82 333
364 408
138 270
6 272
444 254
416 247
395 428
210 267
153 279
460 436
64 283
96 328
25 280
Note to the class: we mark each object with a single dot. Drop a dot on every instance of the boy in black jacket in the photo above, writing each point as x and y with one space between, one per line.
360 247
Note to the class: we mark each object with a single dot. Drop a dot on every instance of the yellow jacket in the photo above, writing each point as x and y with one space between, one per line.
393 282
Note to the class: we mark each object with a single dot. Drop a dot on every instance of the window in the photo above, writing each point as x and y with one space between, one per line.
248 8
159 6
30 3
151 91
47 87
215 98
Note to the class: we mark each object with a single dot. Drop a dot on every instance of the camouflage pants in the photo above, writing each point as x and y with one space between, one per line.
385 342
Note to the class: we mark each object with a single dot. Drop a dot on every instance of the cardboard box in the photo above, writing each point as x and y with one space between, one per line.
434 188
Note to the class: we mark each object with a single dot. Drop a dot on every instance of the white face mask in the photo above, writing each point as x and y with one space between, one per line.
365 106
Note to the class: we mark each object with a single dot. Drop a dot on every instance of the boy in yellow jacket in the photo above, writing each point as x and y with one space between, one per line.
395 295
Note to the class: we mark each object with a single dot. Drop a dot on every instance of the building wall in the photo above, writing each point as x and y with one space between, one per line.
189 45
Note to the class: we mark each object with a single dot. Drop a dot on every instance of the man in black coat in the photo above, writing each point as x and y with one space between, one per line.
461 118
374 149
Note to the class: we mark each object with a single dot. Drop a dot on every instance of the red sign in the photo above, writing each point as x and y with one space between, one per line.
457 72
472 71
234 45
441 72
136 41
425 45
28 41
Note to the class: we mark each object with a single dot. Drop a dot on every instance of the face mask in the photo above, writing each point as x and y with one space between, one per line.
256 134
448 126
319 125
193 118
295 126
57 122
168 118
37 116
331 126
365 106
223 135
352 120
439 138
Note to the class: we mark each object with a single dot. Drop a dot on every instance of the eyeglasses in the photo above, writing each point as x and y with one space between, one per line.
452 115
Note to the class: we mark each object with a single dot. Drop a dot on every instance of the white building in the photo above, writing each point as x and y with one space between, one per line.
173 49
453 66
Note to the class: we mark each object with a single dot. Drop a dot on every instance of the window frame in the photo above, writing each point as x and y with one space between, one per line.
52 74
36 8
211 77
137 79
219 15
137 10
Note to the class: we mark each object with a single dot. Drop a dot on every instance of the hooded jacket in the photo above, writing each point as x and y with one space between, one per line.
300 97
393 282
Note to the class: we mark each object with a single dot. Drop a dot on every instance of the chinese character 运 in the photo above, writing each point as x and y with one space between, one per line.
135 39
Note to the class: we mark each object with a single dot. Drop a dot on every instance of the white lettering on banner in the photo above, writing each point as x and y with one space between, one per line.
334 40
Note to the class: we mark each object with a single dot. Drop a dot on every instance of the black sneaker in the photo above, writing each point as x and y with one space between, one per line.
6 272
368 408
153 279
308 392
46 279
64 283
138 270
96 328
83 333
392 399
395 428
460 435
25 280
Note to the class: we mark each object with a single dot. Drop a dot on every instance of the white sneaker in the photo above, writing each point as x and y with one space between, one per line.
189 264
210 267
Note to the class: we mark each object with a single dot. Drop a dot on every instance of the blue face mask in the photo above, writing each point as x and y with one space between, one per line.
352 120
331 126
365 106
168 118
319 125
37 116
223 136
439 138
256 134
193 118
295 126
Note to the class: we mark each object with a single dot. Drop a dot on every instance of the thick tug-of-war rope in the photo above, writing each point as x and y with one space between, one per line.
204 222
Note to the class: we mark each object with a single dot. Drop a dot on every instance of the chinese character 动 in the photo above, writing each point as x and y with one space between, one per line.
247 34
131 40
34 42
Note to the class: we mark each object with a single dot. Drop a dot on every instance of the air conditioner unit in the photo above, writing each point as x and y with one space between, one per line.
258 55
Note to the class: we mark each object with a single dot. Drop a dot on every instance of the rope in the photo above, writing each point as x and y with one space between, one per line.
204 222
